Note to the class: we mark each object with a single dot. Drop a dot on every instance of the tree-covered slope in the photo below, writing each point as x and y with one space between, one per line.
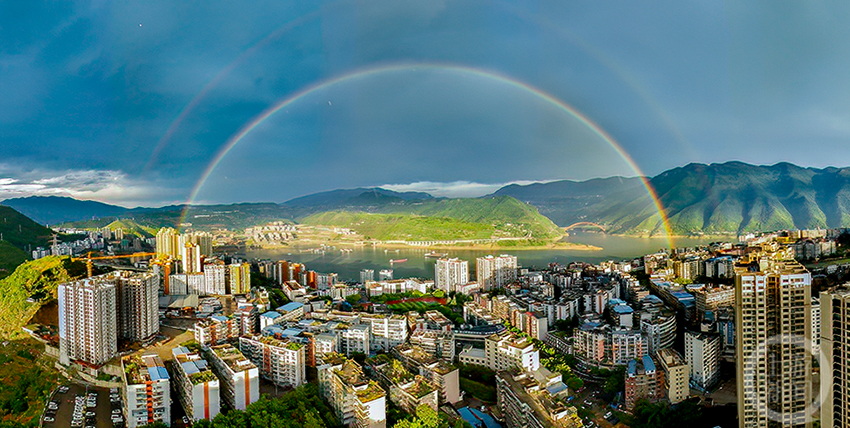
444 219
402 227
32 284
731 197
21 231
10 258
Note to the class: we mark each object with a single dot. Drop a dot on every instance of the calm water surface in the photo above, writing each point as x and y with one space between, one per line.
349 264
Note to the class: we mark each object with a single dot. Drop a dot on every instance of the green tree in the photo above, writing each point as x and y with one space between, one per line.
662 415
426 417
353 299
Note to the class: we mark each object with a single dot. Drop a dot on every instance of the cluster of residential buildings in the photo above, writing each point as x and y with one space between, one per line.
103 239
748 294
94 313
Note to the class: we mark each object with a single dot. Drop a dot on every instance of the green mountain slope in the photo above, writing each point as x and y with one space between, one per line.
132 227
506 214
735 197
404 227
37 281
20 231
444 219
731 197
566 202
10 258
59 209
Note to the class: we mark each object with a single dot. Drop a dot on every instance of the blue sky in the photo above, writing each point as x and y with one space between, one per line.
91 89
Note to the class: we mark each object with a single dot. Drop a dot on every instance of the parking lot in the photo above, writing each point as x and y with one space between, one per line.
66 401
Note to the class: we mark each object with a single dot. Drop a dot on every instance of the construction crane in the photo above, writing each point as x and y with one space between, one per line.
88 259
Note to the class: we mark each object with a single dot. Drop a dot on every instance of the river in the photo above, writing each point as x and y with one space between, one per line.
349 264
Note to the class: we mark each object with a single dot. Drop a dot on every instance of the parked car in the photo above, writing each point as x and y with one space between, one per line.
48 419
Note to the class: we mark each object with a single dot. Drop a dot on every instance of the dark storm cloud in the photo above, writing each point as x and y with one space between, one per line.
90 87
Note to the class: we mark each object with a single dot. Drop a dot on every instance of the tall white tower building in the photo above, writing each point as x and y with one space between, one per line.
138 304
88 325
167 243
450 273
495 272
773 326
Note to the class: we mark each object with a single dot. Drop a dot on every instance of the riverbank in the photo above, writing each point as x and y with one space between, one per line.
490 246
504 245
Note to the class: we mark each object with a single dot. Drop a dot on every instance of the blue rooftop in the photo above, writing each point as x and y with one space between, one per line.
623 309
289 307
270 314
157 373
556 388
190 368
590 325
648 364
291 332
273 330
219 318
632 367
652 298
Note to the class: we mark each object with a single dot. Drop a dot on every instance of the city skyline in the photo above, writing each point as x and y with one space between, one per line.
421 95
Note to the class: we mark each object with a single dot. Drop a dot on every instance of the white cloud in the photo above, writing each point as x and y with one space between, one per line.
109 186
454 189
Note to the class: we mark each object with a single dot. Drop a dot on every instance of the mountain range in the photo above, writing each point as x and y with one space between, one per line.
722 198
731 197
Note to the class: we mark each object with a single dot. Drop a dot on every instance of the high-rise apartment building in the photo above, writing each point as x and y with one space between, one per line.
202 239
835 366
675 375
190 257
138 304
773 327
702 353
196 385
147 392
88 324
167 243
495 272
367 275
815 326
450 273
215 282
385 275
239 278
